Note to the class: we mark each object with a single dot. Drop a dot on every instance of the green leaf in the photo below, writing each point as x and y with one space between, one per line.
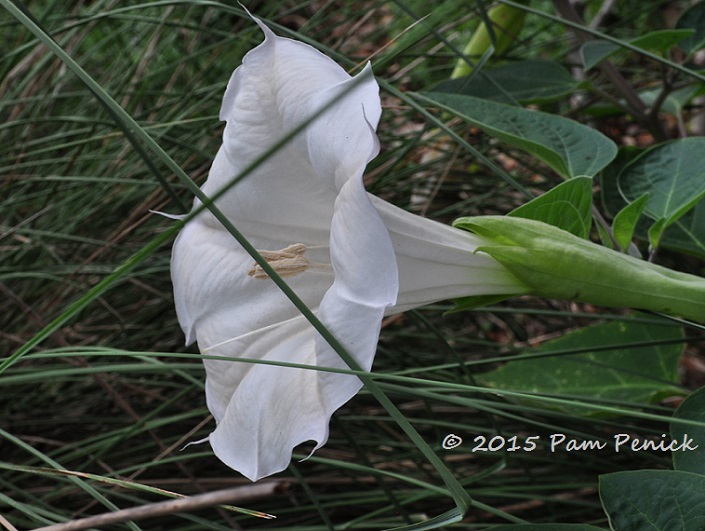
671 173
593 52
530 81
625 221
612 199
692 408
655 232
567 206
675 101
693 18
611 371
606 237
568 147
660 41
658 500
688 233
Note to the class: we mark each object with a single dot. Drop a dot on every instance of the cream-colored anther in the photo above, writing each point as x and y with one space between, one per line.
288 262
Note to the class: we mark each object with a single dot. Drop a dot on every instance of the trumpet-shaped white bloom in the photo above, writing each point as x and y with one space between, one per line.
351 257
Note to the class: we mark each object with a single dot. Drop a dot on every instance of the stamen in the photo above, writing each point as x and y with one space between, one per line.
288 262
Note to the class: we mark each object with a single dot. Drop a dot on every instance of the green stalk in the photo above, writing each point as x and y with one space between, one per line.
499 29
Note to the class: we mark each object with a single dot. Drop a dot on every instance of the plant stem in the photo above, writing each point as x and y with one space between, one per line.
636 106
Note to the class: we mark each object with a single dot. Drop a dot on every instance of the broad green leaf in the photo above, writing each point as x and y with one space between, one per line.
529 81
688 233
657 41
612 371
693 18
612 199
625 221
657 500
568 147
568 206
671 173
692 408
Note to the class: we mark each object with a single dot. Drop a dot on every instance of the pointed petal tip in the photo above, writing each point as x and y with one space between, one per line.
176 217
233 84
224 453
254 469
267 32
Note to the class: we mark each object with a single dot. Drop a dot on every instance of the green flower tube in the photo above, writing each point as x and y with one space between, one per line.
507 22
557 264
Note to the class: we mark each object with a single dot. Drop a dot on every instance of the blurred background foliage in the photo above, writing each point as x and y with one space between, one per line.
111 392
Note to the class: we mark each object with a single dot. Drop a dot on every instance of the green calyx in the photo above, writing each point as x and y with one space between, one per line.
557 264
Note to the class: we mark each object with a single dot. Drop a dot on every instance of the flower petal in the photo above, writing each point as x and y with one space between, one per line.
265 100
437 262
309 192
264 411
342 140
217 299
366 284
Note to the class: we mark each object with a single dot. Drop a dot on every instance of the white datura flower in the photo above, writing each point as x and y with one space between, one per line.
351 257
